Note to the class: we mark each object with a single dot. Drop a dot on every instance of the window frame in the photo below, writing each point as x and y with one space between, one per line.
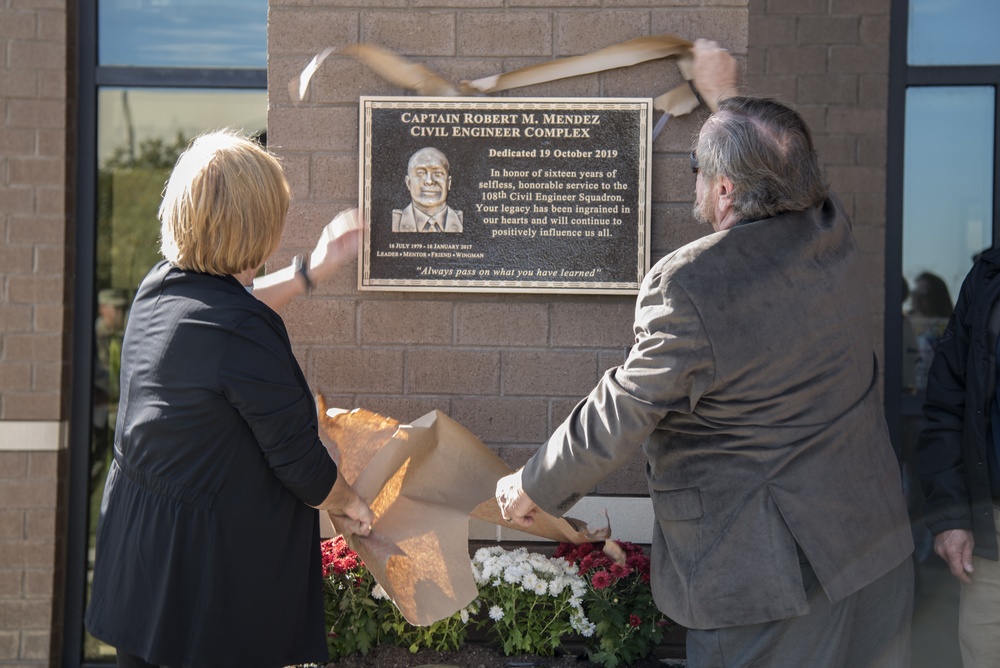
902 76
90 78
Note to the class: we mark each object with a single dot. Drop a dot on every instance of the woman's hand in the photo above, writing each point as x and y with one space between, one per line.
348 511
337 244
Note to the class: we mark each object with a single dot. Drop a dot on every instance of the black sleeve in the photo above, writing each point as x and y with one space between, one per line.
261 378
939 455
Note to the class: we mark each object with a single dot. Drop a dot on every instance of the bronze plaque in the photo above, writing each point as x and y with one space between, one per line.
505 194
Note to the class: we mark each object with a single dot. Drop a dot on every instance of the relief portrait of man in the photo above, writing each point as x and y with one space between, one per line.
428 178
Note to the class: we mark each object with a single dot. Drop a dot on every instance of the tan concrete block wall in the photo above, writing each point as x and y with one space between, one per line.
33 212
526 360
508 367
30 541
36 147
830 60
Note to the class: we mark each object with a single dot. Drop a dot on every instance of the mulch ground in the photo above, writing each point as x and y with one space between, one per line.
474 656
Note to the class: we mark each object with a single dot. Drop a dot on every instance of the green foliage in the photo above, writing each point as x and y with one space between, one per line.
359 615
152 153
446 635
129 189
530 603
352 613
619 602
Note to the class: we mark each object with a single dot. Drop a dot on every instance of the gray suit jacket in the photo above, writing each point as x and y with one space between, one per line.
753 388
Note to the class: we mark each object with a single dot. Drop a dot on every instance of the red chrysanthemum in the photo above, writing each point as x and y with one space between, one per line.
600 580
337 557
634 620
618 572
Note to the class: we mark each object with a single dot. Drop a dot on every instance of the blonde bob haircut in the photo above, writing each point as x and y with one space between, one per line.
224 205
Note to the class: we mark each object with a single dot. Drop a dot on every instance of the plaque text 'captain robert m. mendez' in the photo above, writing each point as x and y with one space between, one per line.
505 195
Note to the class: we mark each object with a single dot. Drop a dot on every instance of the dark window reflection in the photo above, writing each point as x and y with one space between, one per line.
947 220
947 210
183 33
140 134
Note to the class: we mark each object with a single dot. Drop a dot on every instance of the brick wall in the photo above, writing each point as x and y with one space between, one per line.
35 149
29 618
508 367
830 60
33 156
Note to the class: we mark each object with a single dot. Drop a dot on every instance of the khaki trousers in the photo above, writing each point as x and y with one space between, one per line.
979 612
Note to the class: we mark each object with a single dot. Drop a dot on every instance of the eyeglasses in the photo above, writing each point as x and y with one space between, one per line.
694 162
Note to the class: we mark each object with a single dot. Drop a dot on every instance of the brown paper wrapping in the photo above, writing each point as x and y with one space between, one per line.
412 76
423 481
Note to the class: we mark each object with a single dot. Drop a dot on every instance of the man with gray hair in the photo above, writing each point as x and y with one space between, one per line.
781 534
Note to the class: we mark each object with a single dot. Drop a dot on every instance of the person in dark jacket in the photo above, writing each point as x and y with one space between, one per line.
957 458
208 540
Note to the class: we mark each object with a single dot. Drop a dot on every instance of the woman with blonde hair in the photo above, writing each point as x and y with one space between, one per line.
208 541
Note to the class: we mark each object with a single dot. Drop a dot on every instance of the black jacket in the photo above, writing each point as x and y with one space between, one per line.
207 552
951 453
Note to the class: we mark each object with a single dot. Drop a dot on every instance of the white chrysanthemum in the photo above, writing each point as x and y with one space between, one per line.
513 575
491 568
379 593
557 585
484 553
541 587
496 613
463 614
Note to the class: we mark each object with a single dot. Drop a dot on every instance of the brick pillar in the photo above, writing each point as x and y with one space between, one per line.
34 338
830 60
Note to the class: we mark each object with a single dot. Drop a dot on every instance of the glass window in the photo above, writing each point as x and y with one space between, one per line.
947 209
183 33
953 32
140 133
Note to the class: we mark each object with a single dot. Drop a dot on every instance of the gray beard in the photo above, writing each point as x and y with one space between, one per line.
701 212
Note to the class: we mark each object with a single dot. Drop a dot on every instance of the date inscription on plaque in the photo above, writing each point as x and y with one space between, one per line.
505 194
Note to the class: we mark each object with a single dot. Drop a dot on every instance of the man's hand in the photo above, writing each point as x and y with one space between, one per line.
955 547
714 73
337 244
516 507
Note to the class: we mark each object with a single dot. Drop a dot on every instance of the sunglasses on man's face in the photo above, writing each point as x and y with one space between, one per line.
694 162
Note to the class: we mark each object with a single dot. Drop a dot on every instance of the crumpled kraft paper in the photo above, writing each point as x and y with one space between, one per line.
423 481
419 78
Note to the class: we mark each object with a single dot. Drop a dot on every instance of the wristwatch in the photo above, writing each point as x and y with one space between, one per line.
302 269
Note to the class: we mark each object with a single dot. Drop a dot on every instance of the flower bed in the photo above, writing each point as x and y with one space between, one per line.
528 604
